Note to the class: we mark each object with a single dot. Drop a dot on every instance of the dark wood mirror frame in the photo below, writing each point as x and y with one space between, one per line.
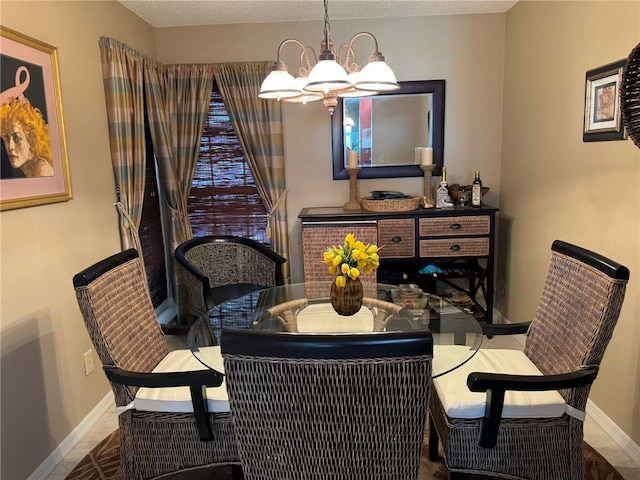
437 89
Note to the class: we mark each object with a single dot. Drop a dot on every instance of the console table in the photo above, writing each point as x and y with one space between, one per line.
458 241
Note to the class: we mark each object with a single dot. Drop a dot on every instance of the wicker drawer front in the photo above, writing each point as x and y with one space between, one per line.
315 241
455 247
397 238
470 225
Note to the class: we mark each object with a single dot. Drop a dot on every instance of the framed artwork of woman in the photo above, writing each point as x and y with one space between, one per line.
34 168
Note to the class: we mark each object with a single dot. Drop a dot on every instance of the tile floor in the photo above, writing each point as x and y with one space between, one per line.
595 436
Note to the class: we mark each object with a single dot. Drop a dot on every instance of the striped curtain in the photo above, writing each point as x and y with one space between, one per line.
258 124
177 104
177 101
123 90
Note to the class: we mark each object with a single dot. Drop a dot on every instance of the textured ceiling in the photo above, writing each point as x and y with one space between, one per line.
174 13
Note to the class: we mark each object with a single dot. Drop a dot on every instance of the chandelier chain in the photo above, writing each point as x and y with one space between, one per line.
327 26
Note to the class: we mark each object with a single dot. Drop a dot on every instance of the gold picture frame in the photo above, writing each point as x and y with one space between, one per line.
602 114
35 167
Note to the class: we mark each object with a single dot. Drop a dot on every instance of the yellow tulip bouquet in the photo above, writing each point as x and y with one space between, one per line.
351 258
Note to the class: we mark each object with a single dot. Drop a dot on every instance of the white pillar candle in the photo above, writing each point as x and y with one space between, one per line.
352 159
427 156
418 160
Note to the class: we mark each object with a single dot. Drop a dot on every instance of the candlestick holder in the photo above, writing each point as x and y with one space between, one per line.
353 203
427 189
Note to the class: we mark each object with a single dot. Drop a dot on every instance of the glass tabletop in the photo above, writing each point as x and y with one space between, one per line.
305 308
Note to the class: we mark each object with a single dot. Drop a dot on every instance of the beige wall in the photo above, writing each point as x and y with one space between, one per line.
44 391
465 50
555 186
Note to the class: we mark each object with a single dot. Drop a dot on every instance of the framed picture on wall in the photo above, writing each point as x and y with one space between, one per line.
34 168
602 115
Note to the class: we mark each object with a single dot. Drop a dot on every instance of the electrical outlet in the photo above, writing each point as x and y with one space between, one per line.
88 362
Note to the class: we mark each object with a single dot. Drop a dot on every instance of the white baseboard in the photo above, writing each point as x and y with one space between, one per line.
613 431
72 439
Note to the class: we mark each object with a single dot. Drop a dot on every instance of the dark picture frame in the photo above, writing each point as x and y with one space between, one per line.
35 167
602 114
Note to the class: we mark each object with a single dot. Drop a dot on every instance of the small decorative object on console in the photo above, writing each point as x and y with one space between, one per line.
443 200
430 270
387 195
383 201
427 190
476 191
353 203
456 191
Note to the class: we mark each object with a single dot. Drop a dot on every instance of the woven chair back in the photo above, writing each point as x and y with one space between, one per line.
574 319
119 316
325 407
228 263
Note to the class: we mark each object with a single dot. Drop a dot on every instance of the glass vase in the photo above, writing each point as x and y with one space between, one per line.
347 300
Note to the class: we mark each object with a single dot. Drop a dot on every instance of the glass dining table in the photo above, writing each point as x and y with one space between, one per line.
305 308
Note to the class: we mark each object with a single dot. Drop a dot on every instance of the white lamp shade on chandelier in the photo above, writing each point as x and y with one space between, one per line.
327 75
329 78
279 84
376 76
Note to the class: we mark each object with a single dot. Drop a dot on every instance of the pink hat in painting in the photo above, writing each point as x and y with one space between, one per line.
18 90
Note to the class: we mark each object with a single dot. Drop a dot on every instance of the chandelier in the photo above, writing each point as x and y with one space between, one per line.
326 77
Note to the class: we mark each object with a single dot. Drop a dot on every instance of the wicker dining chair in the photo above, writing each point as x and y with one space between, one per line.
519 414
214 262
163 429
328 406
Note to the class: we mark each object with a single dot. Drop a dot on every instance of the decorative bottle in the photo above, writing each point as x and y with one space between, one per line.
476 191
443 200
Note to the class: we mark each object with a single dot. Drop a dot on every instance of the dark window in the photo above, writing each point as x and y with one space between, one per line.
150 232
224 199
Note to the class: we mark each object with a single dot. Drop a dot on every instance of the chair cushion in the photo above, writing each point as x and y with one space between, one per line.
178 399
322 318
459 402
447 357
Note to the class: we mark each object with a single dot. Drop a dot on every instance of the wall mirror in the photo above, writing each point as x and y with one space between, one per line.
385 130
